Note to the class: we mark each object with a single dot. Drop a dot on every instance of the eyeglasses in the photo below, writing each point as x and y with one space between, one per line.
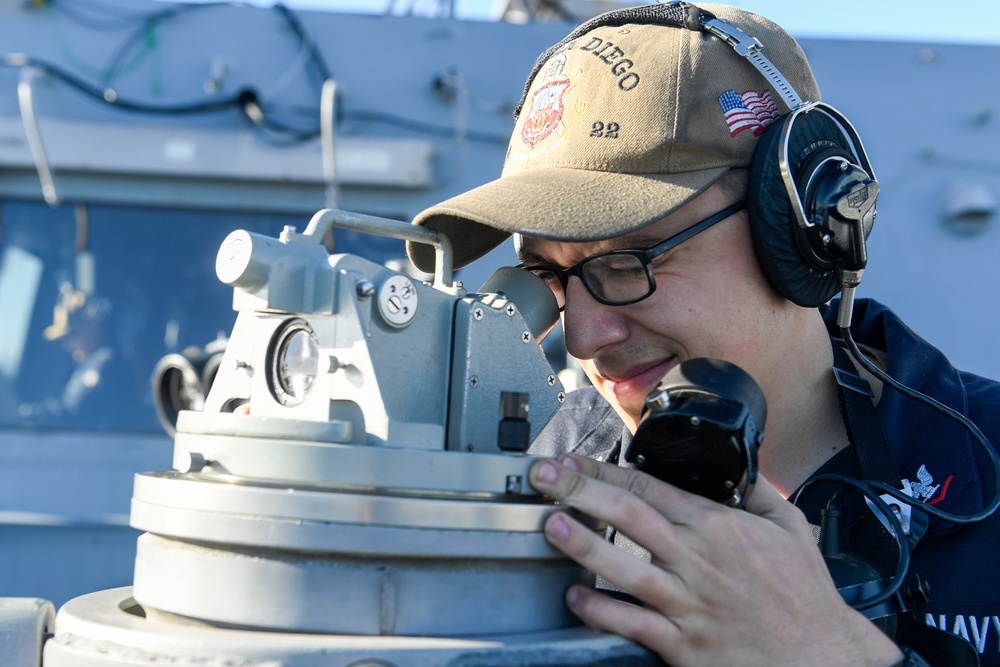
622 277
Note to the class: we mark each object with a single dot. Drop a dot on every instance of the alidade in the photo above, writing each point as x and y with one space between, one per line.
355 487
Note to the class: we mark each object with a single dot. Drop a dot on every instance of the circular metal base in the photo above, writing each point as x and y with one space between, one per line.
208 509
297 592
307 560
107 629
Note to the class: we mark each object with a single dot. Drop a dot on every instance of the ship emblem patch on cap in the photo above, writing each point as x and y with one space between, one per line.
750 111
546 104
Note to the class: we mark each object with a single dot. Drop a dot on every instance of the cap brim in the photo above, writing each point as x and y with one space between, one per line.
557 204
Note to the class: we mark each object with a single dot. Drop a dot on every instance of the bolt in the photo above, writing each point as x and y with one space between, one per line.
190 462
473 380
659 401
477 314
551 380
695 421
364 289
511 309
514 484
561 396
640 460
826 239
526 337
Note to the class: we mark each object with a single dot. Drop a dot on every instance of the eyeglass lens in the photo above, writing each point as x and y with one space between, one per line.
614 278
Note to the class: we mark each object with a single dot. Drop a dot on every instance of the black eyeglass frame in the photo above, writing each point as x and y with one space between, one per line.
645 257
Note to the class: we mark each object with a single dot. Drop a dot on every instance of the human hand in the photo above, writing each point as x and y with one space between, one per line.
724 586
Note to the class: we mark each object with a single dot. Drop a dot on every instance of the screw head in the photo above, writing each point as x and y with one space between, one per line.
190 462
364 289
514 484
659 400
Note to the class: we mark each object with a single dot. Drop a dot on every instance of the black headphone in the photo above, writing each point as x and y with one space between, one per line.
811 202
811 194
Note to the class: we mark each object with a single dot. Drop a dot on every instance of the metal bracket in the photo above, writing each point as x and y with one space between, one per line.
750 48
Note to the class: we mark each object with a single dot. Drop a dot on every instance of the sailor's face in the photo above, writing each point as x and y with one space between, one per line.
710 300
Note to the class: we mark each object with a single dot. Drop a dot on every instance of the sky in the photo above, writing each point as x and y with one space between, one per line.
971 21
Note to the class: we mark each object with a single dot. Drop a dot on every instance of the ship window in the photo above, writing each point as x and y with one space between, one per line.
92 297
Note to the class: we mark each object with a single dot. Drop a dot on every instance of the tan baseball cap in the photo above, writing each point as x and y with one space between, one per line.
632 115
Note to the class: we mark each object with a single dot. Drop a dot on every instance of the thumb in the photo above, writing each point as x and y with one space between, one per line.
765 501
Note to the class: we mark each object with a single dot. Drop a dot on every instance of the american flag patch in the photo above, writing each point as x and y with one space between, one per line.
750 111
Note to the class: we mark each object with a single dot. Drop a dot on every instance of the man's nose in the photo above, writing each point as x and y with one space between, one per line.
588 324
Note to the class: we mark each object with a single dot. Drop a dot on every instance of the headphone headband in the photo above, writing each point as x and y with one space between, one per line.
750 48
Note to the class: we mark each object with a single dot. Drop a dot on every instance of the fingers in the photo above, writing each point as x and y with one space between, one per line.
657 583
620 501
678 506
766 502
682 531
583 483
604 613
651 584
755 574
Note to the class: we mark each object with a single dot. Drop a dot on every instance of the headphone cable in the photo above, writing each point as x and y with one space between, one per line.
856 353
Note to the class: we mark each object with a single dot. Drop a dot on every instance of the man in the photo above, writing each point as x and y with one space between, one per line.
634 190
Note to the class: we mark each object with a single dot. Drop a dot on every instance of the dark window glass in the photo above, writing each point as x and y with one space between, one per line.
91 298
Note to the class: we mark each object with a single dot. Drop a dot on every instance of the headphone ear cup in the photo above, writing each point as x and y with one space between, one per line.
791 257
